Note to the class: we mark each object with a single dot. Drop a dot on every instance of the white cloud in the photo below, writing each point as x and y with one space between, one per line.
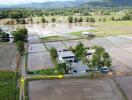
26 1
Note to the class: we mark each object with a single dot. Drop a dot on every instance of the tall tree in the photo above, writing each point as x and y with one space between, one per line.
70 19
43 19
20 34
20 47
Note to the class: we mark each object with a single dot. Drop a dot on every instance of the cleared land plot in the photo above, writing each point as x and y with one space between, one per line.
7 56
118 40
74 89
102 42
33 39
126 85
39 61
57 45
129 49
36 48
122 56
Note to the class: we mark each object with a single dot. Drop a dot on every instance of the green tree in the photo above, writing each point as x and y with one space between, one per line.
92 19
62 68
22 21
20 34
76 19
104 19
87 19
1 30
43 19
80 50
70 19
113 18
95 61
80 19
31 20
106 59
20 47
3 35
127 17
101 58
53 19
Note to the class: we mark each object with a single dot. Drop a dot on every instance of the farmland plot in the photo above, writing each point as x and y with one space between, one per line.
102 42
7 56
36 48
126 85
118 40
39 61
57 45
74 89
33 39
122 56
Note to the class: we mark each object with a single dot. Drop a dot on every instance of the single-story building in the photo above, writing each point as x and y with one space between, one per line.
66 56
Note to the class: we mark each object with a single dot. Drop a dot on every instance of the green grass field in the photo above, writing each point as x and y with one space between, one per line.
109 28
8 89
52 38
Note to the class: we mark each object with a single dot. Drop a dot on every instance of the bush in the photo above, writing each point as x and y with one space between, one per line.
46 71
53 53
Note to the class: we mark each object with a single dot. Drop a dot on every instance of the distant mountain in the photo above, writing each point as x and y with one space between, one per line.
110 3
56 4
76 3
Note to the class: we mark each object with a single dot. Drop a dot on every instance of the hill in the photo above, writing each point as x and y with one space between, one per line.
76 3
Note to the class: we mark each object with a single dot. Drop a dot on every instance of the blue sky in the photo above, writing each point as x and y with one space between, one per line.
8 2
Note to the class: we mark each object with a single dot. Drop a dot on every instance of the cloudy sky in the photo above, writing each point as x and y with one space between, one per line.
8 2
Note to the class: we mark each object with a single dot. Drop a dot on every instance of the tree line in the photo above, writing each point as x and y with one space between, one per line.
82 11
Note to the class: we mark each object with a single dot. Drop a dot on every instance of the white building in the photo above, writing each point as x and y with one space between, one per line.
90 53
66 56
87 33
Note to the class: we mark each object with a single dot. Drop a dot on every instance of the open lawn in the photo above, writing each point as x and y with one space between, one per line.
8 89
74 89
